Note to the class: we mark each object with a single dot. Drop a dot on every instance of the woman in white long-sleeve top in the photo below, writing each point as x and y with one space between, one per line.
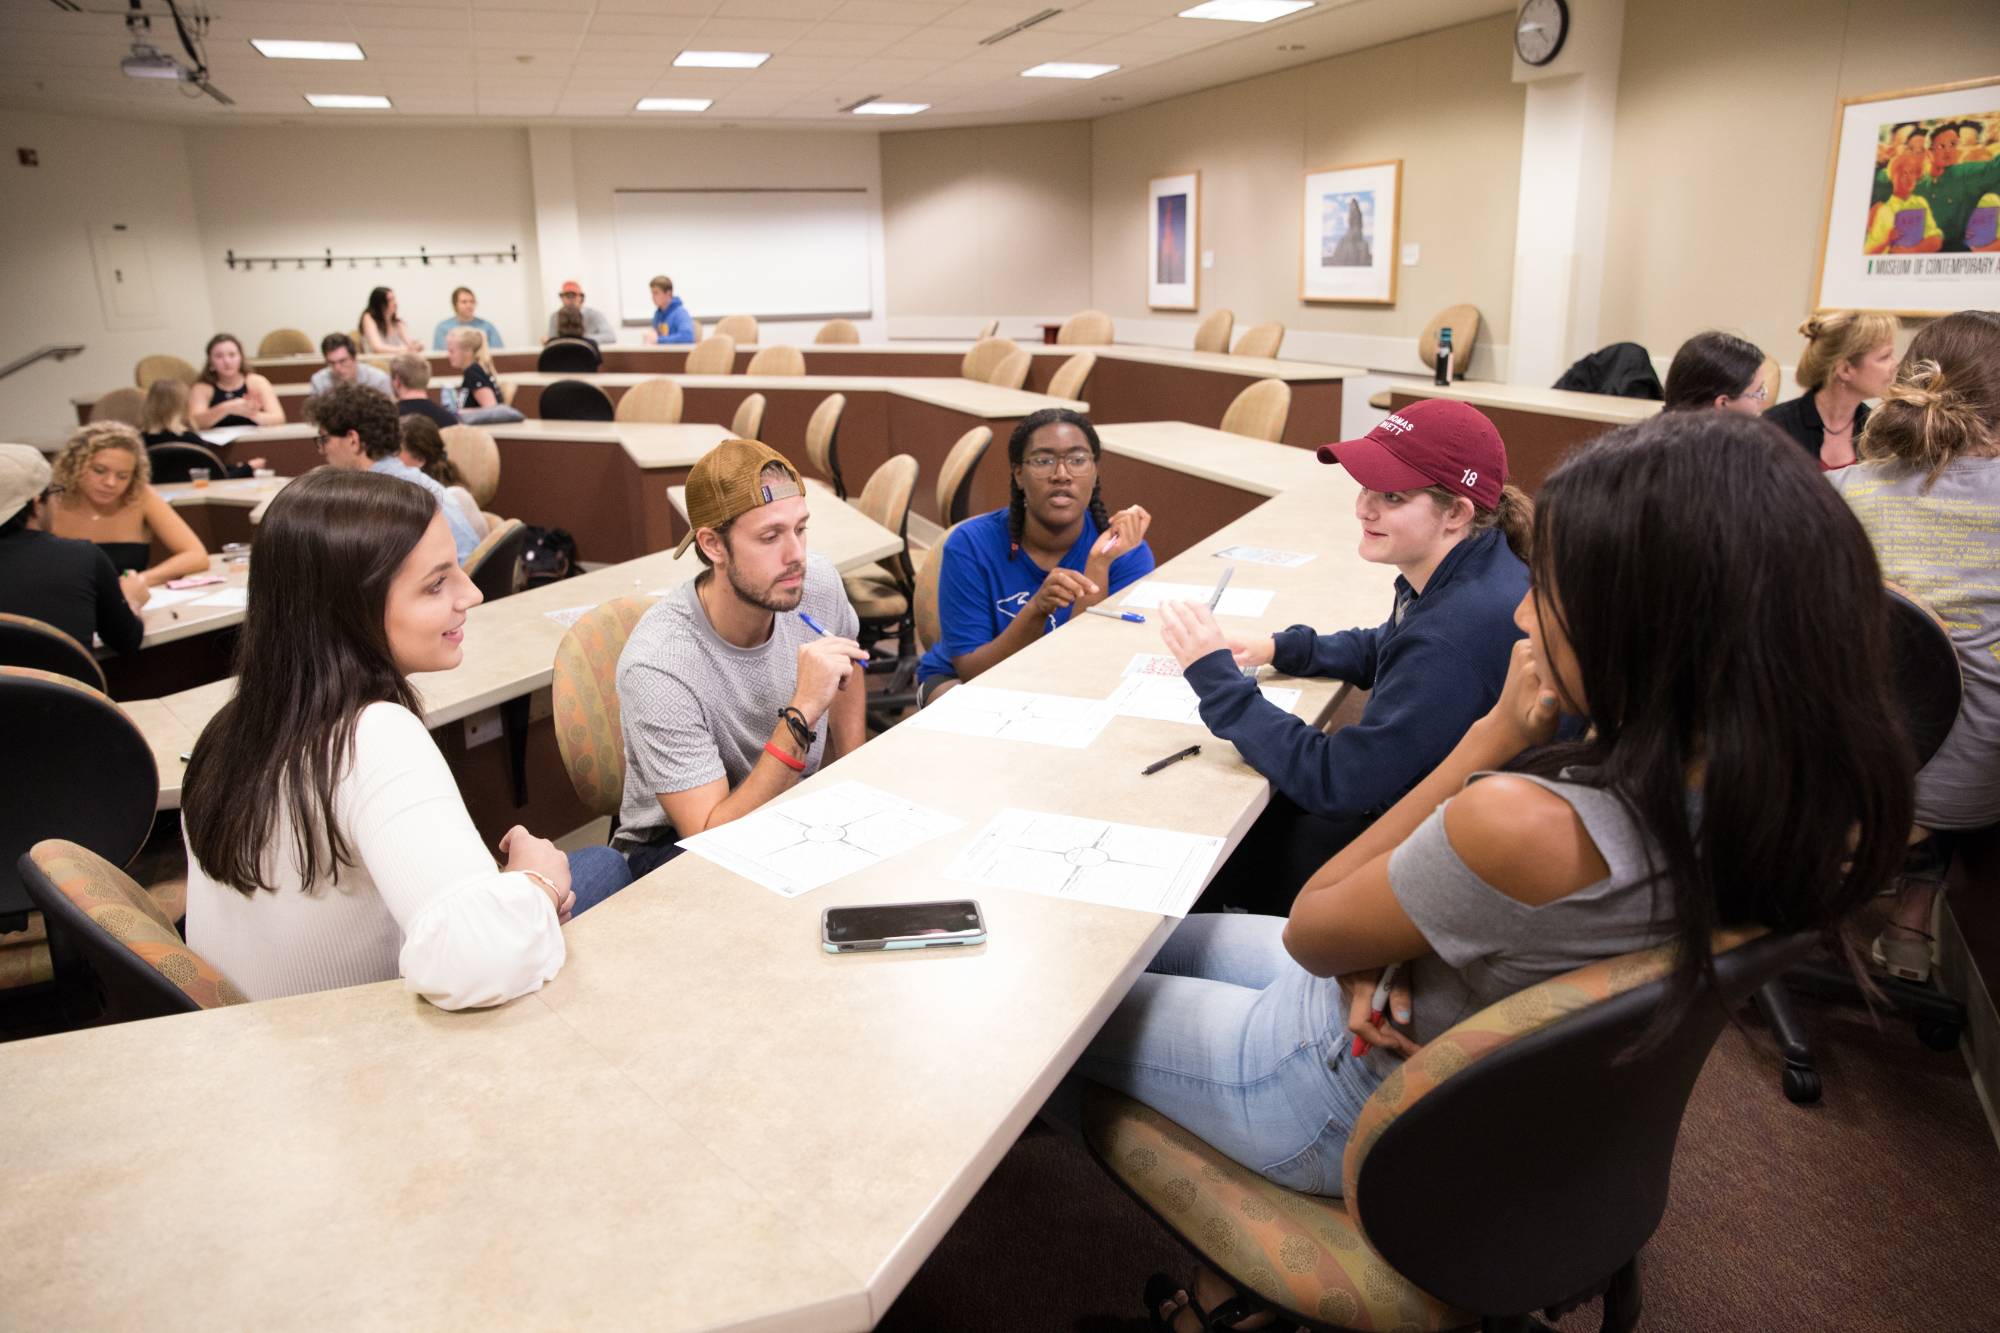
328 844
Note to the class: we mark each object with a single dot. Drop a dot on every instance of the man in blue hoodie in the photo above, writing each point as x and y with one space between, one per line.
1435 504
671 321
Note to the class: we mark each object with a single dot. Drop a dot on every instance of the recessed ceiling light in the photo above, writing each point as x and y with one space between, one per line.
1246 11
673 104
348 101
892 108
274 49
1065 69
721 59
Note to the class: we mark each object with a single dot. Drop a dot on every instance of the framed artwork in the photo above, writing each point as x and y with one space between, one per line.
1173 234
1913 202
1350 233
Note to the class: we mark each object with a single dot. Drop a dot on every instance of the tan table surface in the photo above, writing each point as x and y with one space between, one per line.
704 1121
648 444
510 645
1202 451
1527 398
961 395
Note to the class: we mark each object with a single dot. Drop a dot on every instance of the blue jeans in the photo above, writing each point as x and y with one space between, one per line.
1231 1039
595 873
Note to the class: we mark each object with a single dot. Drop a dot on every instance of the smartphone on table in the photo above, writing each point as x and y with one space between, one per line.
936 925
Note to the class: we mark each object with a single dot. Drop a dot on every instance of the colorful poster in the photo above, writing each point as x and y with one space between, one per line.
1173 228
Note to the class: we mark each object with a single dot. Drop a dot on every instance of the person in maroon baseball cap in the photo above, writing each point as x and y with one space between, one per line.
1435 503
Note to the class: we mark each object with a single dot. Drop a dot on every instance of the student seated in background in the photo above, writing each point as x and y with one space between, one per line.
1850 357
327 841
383 331
59 581
465 308
727 695
1927 489
105 495
1697 800
344 367
423 449
1435 504
595 326
410 385
466 350
671 321
164 420
229 395
358 432
1720 370
1015 574
569 331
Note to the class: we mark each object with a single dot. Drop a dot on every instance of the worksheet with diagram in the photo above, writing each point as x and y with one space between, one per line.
1088 860
1015 715
812 840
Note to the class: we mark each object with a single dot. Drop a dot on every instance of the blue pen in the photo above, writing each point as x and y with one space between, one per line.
1131 617
814 626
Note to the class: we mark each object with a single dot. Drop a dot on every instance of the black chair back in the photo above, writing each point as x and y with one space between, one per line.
1541 1170
127 986
170 462
575 400
569 356
76 769
494 573
1929 683
27 642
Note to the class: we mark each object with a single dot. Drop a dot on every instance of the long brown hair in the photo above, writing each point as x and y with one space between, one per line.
208 375
423 441
1945 402
1700 630
1514 515
314 652
166 406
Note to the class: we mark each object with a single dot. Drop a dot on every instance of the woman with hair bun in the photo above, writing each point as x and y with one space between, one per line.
1927 490
1850 357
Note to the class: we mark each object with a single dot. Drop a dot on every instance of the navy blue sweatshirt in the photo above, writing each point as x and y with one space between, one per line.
1433 669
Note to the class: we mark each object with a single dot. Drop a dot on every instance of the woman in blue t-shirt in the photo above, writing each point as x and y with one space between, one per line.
1012 575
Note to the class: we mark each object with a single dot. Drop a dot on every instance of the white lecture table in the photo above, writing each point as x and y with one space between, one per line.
703 1122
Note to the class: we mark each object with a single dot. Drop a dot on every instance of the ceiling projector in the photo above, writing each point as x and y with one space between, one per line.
147 62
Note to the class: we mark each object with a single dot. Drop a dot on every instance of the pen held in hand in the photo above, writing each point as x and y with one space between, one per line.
1377 1003
814 626
1215 598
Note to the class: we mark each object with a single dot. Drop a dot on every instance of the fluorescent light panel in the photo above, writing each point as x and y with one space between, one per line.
1246 11
891 108
1066 69
348 101
674 104
721 59
272 48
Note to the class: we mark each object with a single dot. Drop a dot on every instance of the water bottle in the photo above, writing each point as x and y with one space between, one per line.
1441 371
449 397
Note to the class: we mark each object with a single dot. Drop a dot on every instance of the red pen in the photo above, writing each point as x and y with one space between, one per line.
1376 1003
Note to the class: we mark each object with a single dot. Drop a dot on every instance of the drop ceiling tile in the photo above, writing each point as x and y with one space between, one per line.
408 16
777 9
1094 20
760 34
675 26
697 9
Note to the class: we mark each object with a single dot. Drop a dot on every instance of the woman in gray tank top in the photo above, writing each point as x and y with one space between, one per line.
1688 629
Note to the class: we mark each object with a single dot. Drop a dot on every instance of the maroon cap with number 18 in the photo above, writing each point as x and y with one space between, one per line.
1434 442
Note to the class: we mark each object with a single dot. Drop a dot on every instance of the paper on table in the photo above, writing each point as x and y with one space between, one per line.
1089 860
1016 715
227 597
1152 664
802 844
165 597
569 615
1175 700
1235 601
1265 555
224 435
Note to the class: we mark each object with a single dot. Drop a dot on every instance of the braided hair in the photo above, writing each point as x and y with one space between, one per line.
1017 449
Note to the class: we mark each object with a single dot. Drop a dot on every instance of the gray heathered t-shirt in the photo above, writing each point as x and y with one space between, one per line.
1944 546
695 708
1486 946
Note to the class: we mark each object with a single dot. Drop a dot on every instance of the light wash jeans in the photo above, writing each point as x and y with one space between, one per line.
595 873
1231 1039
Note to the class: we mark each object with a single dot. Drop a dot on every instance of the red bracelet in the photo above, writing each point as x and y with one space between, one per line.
796 765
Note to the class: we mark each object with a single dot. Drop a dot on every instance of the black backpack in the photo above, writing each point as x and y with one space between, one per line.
550 554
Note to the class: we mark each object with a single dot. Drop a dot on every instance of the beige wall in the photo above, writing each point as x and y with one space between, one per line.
93 173
988 222
1445 103
286 191
1723 136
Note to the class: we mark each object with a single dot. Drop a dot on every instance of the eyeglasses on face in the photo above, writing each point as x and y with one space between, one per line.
1043 464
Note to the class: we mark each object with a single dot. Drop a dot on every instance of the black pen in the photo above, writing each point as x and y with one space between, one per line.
1173 758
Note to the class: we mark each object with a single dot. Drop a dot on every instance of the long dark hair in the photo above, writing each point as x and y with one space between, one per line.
1017 449
313 653
423 441
378 310
208 375
1703 571
1709 366
1945 402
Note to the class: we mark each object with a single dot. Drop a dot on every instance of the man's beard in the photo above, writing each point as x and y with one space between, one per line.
769 598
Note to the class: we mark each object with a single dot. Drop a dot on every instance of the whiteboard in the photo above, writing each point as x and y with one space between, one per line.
767 253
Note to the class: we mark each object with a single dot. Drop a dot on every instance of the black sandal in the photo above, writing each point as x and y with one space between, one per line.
1166 1298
